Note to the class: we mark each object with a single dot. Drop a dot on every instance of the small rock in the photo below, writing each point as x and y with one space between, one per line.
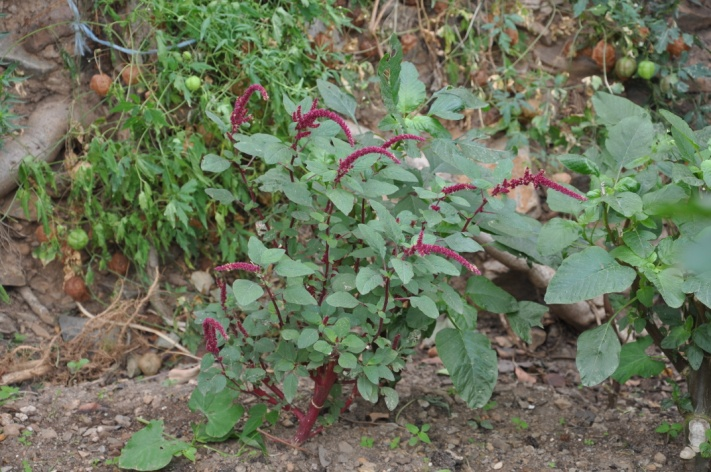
149 363
500 444
132 367
345 448
651 467
563 403
7 325
29 410
48 433
289 467
121 420
687 453
324 456
498 465
660 458
67 436
202 281
21 416
554 380
12 429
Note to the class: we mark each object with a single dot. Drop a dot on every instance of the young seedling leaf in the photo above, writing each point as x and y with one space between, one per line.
149 450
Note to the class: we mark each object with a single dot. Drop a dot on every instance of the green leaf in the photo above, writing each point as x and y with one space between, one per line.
471 363
353 343
598 354
298 295
219 408
342 300
371 372
367 389
412 92
255 249
307 338
683 135
246 291
403 269
625 203
271 256
372 238
426 306
389 75
660 201
221 195
460 243
291 382
347 360
634 361
392 228
214 163
485 294
695 355
638 242
706 172
343 199
391 397
702 337
396 172
148 450
336 99
367 279
588 274
292 268
298 192
579 164
556 235
630 139
699 285
529 314
611 109
669 282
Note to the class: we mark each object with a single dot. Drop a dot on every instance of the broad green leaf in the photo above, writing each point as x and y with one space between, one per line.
669 282
556 235
342 300
367 389
471 363
255 249
389 75
246 291
529 314
677 336
426 306
683 135
298 295
353 343
403 269
367 279
291 382
485 294
373 238
214 163
635 361
147 449
625 203
661 200
342 199
588 274
611 109
392 228
460 243
222 195
271 256
579 164
702 337
412 90
630 139
626 255
695 355
219 408
639 242
706 172
598 354
307 338
298 192
700 285
347 360
391 397
371 372
396 172
336 99
447 106
292 268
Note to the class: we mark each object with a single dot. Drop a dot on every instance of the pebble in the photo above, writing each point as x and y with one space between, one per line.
121 420
149 363
687 453
21 416
345 448
202 281
498 465
48 433
660 458
11 429
563 403
29 410
324 456
500 444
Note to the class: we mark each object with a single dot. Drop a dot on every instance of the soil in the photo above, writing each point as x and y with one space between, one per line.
539 418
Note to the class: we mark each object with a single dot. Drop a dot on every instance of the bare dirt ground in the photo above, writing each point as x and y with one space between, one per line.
539 418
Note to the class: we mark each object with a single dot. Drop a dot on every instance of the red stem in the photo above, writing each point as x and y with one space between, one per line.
324 379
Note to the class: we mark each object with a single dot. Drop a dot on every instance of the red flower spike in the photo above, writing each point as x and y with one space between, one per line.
345 165
239 113
304 122
424 249
537 180
387 144
247 266
209 328
457 188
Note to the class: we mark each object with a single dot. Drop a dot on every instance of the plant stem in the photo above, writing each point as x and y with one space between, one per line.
324 378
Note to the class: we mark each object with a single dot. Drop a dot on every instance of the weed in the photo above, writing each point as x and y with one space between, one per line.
418 434
520 424
25 437
395 443
589 442
76 366
7 393
366 441
671 430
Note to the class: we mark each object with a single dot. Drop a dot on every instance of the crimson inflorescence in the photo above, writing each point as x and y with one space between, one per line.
239 113
307 121
209 329
246 266
537 180
423 249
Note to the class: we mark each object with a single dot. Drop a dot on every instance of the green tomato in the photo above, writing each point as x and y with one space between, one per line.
193 83
187 56
77 239
625 67
646 69
668 82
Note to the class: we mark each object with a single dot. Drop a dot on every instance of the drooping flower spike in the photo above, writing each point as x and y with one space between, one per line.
307 121
423 249
537 180
346 164
239 113
246 266
209 329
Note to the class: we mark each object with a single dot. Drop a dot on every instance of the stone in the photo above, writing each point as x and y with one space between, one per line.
11 272
563 403
48 433
500 444
150 363
7 324
202 281
660 458
324 457
345 448
498 466
12 429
